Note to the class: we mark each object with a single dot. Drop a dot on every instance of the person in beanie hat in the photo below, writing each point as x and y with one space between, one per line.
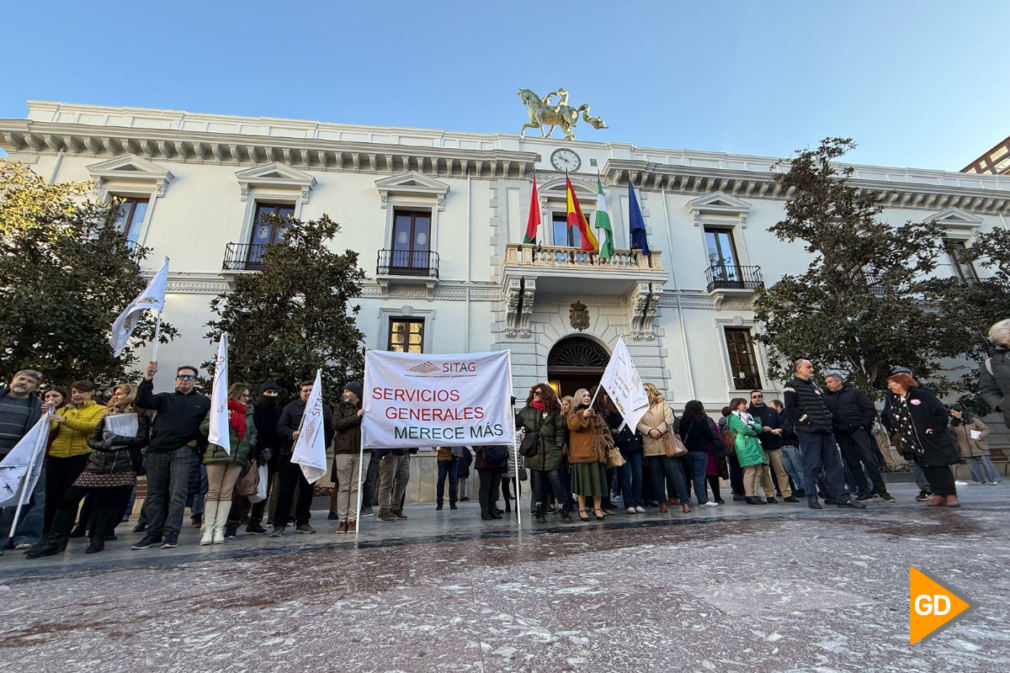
270 386
347 454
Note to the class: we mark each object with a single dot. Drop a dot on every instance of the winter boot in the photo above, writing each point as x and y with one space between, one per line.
207 528
221 520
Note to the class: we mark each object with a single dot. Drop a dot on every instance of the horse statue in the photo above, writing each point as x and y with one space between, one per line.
543 114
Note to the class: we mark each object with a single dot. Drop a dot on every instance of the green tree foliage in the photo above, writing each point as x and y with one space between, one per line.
860 307
65 274
293 316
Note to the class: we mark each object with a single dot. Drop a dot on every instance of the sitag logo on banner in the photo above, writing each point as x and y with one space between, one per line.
933 606
445 369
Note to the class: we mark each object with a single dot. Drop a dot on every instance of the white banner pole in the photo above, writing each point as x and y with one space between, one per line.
39 447
515 449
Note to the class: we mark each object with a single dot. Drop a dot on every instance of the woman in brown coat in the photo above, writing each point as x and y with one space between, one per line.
970 433
587 433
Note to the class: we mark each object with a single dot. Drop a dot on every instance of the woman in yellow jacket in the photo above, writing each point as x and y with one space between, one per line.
72 425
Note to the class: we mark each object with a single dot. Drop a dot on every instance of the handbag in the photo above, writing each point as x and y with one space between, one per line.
248 481
530 445
521 472
496 453
672 446
614 458
261 487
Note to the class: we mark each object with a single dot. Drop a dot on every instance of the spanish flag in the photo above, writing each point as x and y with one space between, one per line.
577 219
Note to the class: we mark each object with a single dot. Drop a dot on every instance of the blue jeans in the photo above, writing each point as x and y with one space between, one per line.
631 479
819 451
982 470
197 489
566 486
663 468
792 461
447 468
168 477
695 463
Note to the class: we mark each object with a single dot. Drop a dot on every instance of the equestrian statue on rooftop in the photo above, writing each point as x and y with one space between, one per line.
543 114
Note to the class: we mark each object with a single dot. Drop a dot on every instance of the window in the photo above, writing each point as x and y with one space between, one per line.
406 335
563 234
411 241
721 253
130 217
743 362
265 231
959 261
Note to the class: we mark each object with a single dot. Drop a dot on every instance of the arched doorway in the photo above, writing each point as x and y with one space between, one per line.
575 362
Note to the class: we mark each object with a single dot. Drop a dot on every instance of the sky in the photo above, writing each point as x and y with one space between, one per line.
917 83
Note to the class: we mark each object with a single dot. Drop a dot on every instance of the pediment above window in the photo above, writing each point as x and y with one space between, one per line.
412 185
132 170
718 206
275 176
957 223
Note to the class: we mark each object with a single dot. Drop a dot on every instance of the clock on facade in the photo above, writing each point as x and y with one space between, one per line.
565 160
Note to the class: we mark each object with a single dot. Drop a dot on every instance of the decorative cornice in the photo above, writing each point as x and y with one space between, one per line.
901 188
206 147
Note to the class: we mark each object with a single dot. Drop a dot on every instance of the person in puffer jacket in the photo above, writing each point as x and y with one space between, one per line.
109 475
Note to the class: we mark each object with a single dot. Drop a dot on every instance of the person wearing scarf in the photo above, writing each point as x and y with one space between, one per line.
266 413
748 451
542 415
224 467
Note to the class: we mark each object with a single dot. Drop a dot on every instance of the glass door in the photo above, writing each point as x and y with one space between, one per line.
722 255
266 231
411 243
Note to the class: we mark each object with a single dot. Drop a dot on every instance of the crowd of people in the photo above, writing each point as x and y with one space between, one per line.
825 445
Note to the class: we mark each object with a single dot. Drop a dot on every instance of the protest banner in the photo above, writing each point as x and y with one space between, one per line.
425 400
622 382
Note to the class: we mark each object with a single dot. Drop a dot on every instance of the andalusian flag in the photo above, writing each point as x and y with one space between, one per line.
533 221
577 219
603 222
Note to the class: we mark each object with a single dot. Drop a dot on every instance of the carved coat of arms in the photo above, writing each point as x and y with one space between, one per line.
579 316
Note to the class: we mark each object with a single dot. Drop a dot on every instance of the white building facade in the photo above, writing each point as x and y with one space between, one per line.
438 218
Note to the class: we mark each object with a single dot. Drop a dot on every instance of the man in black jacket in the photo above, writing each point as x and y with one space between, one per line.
771 442
853 414
813 424
174 449
288 429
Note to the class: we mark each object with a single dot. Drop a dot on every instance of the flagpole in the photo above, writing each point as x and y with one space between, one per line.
43 438
157 330
515 451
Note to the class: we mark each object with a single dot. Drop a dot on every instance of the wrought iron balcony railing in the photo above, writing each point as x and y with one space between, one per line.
422 264
732 277
243 256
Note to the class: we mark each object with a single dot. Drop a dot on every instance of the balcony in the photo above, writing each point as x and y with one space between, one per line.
405 267
243 256
731 277
407 263
570 271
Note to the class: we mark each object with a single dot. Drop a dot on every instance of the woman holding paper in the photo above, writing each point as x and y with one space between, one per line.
970 433
109 474
224 467
588 434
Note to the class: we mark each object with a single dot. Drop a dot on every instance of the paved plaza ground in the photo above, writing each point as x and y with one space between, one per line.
731 588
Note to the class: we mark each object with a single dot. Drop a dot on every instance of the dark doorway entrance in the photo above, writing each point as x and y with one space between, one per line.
576 362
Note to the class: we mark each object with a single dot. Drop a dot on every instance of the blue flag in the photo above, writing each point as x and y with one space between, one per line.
636 223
